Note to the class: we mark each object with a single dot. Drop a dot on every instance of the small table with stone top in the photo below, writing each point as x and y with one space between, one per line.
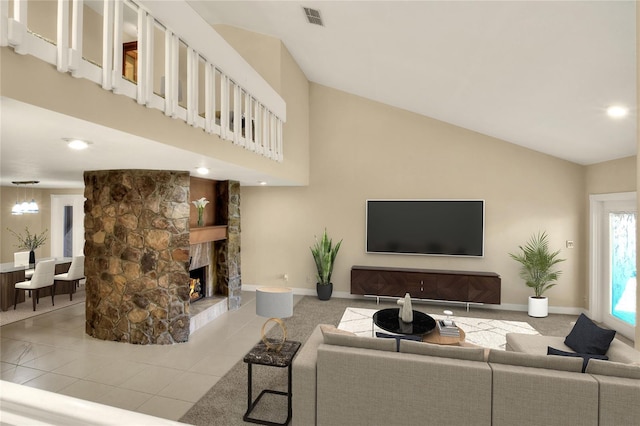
261 355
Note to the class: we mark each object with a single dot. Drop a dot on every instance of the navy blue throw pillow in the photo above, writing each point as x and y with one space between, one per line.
587 338
398 338
585 357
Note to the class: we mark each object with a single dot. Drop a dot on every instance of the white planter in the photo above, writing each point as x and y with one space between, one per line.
538 307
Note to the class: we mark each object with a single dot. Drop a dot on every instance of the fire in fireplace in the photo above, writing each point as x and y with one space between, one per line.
195 289
197 284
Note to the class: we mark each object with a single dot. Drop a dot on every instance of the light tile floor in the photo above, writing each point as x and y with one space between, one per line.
52 352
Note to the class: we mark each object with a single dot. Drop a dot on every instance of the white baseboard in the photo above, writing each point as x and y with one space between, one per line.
566 310
306 292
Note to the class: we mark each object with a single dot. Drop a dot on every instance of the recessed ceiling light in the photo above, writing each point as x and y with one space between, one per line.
202 170
262 182
77 144
617 111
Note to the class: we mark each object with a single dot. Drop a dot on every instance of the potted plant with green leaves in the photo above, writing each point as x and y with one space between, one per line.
324 254
538 270
30 241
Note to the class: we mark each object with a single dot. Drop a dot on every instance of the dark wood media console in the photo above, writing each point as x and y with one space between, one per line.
456 286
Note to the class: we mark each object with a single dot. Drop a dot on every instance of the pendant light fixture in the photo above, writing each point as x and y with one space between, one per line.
33 206
16 210
26 206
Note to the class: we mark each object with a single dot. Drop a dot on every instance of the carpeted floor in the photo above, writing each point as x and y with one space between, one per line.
486 332
225 403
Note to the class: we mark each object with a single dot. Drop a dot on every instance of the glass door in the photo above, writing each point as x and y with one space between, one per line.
67 225
619 283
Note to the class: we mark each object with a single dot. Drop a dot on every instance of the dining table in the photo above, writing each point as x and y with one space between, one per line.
11 274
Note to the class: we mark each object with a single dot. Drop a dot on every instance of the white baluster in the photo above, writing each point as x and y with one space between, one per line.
62 36
107 44
209 97
116 69
171 73
237 114
4 23
224 106
17 28
143 71
279 141
249 123
192 86
258 127
75 52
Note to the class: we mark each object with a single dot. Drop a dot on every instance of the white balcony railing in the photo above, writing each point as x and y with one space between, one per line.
161 54
24 405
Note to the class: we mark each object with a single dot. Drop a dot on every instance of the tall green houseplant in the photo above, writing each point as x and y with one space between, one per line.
324 254
538 263
538 270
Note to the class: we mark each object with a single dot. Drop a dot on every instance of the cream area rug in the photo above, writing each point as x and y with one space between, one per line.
25 310
483 332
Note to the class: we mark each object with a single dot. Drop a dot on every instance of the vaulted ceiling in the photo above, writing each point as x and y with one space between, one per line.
535 73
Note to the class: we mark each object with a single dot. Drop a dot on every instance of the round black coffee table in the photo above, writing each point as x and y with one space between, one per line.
389 320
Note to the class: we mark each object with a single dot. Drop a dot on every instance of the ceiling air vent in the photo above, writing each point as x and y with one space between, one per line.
313 16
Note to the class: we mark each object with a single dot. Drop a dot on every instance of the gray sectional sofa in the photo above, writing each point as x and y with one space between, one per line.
340 379
537 345
618 378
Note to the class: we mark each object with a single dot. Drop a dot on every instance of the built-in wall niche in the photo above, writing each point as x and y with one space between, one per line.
221 234
203 188
215 223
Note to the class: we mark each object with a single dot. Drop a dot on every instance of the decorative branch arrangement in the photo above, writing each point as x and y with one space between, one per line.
29 241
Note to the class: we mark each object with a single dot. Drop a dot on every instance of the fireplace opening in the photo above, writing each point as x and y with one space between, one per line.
197 284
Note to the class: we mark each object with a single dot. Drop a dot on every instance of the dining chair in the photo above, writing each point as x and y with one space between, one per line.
21 258
72 276
42 278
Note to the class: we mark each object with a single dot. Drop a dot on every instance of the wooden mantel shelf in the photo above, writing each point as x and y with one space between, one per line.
206 234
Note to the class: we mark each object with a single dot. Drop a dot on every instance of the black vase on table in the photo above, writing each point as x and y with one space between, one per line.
32 258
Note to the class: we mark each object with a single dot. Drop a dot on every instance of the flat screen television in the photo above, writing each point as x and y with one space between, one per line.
430 227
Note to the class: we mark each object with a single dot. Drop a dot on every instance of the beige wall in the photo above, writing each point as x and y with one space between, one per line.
286 77
611 176
36 223
362 150
259 51
41 18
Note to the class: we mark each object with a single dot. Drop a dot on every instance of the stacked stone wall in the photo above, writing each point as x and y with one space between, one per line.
137 255
227 252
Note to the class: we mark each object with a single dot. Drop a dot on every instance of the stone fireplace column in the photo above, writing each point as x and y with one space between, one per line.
137 255
227 252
